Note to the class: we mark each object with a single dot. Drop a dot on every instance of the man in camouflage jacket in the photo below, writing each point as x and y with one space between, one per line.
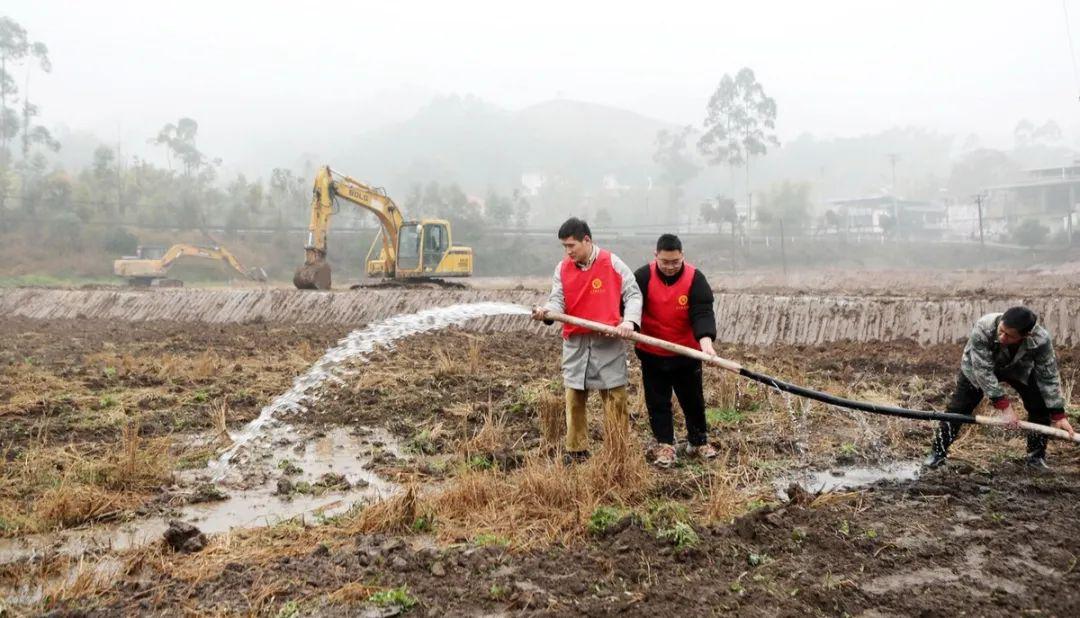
1007 348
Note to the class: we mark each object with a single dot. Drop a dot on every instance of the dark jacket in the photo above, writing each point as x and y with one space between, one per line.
702 316
986 363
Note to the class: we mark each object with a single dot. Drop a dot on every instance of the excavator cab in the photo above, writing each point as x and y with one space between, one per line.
150 252
424 250
422 247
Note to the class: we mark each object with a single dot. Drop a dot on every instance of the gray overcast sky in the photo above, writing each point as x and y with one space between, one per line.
835 68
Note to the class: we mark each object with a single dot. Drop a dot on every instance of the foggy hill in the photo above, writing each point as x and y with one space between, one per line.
478 144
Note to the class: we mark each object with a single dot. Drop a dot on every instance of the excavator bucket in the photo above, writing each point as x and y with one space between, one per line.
257 273
314 276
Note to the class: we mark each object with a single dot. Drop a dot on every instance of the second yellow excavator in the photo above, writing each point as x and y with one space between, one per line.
150 264
408 250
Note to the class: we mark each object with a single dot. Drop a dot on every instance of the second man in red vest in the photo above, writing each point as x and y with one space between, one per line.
678 307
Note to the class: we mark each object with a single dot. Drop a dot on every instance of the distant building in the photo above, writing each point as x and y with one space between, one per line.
611 183
878 214
1048 194
531 182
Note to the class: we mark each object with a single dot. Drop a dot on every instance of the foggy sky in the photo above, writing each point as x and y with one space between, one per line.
253 73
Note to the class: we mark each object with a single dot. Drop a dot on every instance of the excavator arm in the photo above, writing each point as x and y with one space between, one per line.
222 254
315 273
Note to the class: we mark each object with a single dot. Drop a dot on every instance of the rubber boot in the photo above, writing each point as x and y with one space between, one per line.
1036 451
939 448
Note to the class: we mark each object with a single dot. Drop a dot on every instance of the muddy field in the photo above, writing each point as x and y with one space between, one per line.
417 471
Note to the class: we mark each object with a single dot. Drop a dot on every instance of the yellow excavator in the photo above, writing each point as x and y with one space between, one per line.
150 264
407 250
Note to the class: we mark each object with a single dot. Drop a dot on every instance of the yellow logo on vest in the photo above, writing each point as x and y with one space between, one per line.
683 299
597 284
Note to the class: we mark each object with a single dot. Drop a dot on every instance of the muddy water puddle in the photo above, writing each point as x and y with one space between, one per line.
846 477
338 452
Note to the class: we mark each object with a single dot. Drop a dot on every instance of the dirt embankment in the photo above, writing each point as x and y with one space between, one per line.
753 319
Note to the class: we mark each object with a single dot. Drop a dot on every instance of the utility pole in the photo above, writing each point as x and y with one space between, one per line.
895 214
982 239
119 174
734 250
3 104
1072 208
783 252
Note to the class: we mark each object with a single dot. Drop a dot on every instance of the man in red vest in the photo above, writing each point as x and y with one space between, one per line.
678 307
593 284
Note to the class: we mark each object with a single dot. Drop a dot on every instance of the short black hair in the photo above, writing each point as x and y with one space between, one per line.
574 227
1020 318
668 242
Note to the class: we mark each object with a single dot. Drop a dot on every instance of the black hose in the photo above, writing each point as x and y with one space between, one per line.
852 404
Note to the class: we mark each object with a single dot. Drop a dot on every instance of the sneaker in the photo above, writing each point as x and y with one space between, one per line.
705 451
935 460
1038 462
664 455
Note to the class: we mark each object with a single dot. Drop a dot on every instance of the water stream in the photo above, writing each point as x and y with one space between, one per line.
333 365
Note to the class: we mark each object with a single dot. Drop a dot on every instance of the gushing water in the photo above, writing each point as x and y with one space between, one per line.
357 345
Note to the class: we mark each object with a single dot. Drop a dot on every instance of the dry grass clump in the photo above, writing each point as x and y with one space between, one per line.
446 364
31 388
72 504
475 356
134 464
539 503
543 501
492 436
552 419
42 487
350 593
83 580
254 546
724 499
176 368
219 414
396 514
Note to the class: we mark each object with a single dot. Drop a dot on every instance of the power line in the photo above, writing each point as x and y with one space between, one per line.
1072 52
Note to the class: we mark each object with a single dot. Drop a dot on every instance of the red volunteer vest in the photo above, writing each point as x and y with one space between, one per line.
594 294
666 314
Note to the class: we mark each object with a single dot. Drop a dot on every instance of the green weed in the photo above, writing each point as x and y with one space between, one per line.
682 535
398 597
603 518
723 416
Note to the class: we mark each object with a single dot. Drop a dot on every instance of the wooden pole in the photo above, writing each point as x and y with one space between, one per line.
722 363
732 366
